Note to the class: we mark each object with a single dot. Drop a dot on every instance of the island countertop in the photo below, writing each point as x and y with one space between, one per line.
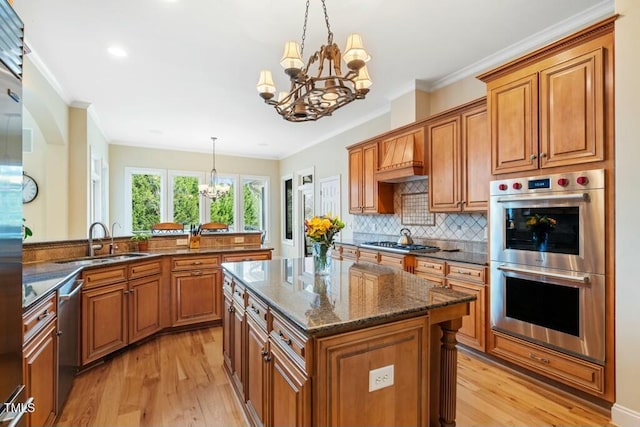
351 296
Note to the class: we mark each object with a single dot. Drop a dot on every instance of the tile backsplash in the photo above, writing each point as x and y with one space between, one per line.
462 227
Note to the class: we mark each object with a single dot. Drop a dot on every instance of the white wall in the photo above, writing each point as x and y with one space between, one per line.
626 411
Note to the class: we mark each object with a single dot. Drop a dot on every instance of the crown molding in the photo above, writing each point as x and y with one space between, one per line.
550 34
47 74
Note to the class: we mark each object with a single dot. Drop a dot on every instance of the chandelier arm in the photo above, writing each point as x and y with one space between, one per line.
326 20
304 28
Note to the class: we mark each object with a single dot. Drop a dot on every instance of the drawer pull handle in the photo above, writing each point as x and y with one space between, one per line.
466 273
539 359
231 309
286 340
196 263
255 310
196 273
44 315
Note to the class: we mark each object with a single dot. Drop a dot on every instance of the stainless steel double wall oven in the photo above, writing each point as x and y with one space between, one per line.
548 261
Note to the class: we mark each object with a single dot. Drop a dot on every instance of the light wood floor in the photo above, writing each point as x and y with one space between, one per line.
178 380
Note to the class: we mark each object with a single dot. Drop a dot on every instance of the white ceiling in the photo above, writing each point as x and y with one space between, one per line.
192 65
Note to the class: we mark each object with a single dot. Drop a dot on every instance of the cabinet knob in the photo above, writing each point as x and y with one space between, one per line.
543 155
533 157
196 273
231 309
44 315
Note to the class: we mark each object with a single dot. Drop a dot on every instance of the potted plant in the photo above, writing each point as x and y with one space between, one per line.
141 238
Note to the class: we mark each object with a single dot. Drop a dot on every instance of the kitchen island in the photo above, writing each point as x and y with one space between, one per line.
362 345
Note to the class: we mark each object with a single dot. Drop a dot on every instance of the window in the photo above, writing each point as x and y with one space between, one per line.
150 200
254 203
287 209
99 203
185 207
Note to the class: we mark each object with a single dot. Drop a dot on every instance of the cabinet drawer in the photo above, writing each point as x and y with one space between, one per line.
350 253
258 311
143 269
466 272
239 294
188 263
38 317
439 280
558 366
104 276
247 256
396 261
292 342
430 266
368 256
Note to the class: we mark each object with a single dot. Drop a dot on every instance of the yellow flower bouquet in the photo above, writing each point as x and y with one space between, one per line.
322 229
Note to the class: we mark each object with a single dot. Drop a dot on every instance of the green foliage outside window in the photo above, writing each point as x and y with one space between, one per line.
186 200
145 201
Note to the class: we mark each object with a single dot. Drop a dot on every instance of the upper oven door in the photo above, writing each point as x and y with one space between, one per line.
554 229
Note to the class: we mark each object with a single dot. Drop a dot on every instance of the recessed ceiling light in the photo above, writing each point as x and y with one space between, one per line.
263 144
117 51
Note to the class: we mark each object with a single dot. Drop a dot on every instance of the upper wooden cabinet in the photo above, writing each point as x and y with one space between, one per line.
458 147
553 107
366 194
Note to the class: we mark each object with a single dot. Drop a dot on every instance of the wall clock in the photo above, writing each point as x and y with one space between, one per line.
29 188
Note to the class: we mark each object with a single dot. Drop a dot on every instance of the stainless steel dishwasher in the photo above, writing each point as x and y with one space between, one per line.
68 333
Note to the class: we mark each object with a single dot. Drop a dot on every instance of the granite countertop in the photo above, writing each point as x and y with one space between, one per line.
321 305
39 279
447 255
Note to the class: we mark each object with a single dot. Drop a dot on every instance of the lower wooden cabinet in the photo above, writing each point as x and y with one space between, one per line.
196 296
104 321
472 332
144 307
40 370
257 357
289 395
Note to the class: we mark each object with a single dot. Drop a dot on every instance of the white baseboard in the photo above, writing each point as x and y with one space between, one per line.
624 417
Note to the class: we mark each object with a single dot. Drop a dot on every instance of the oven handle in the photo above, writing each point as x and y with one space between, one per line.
583 196
577 279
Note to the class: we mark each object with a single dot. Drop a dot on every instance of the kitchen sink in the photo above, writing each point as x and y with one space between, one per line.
102 259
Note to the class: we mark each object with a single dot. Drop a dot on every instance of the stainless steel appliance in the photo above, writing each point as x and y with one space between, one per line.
12 403
68 332
547 260
400 248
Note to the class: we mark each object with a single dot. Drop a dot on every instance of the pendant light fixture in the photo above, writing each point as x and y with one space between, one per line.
317 94
214 189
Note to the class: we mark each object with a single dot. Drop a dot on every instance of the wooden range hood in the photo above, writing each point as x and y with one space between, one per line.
403 157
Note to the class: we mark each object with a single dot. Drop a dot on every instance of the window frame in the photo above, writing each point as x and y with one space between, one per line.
128 196
266 201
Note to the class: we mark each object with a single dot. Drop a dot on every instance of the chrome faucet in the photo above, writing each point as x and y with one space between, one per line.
112 246
92 246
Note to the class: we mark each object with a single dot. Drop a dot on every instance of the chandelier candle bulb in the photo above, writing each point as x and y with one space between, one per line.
355 55
292 59
265 86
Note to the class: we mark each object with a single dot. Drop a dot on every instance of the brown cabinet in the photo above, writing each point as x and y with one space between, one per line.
552 107
257 357
196 290
117 312
40 361
459 159
366 194
289 391
104 320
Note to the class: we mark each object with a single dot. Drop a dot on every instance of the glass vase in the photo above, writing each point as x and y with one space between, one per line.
321 258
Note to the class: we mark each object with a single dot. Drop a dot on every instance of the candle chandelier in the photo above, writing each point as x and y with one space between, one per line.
317 94
214 189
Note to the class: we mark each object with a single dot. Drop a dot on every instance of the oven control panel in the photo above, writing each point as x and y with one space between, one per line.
571 181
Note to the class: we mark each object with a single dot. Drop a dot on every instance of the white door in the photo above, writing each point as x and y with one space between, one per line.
330 195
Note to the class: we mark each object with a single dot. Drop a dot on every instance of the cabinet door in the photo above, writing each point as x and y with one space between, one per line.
144 307
40 365
514 124
290 392
256 374
572 111
476 160
237 353
355 180
472 332
444 165
227 331
104 321
369 183
196 296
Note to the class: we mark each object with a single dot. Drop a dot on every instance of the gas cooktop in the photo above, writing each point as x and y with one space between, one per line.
396 247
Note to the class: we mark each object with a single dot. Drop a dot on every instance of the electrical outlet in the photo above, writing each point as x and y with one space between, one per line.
238 239
380 378
182 242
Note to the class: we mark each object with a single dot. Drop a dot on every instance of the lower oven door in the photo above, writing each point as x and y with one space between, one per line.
555 308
